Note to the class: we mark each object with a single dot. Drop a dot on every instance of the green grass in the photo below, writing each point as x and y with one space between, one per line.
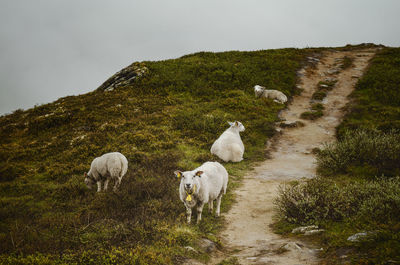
165 120
311 115
358 189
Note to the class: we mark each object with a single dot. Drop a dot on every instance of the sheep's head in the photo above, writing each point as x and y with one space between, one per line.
237 125
89 181
190 180
258 90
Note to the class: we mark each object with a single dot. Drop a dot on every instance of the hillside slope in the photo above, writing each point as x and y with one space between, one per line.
162 116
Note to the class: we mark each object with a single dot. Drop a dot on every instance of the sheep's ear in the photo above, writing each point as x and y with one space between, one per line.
198 173
178 173
85 174
236 123
230 123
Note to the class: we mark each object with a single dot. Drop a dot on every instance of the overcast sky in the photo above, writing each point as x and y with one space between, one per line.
53 48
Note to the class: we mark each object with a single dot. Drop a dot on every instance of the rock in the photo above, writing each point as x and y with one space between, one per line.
323 85
359 236
303 229
291 246
313 232
330 79
355 76
206 245
291 124
125 76
189 248
333 71
108 89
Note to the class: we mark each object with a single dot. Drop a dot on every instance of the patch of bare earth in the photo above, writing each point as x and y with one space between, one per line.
247 234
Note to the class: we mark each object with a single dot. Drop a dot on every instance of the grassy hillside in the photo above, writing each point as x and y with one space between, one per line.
163 116
358 190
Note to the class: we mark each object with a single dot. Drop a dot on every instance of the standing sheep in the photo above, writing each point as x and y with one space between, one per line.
276 95
106 167
229 145
202 185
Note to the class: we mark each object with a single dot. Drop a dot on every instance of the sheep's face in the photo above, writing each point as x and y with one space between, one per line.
89 181
238 125
189 180
258 90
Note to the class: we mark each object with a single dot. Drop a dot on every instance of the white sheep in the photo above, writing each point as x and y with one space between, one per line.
202 185
276 95
106 167
229 145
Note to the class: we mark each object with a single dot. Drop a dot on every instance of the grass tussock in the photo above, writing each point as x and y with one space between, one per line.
347 62
311 115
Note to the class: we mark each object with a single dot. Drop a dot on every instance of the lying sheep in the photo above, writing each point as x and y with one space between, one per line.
276 95
106 167
229 145
202 185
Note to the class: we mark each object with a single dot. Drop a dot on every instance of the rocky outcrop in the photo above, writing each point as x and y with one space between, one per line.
124 77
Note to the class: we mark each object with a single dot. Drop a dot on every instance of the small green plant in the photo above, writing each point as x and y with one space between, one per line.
319 95
317 107
311 115
229 261
347 62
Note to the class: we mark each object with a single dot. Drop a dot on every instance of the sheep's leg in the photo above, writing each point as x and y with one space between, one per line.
117 183
98 186
199 211
106 184
210 206
217 212
188 214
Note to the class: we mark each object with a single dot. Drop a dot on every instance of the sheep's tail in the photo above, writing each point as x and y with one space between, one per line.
124 166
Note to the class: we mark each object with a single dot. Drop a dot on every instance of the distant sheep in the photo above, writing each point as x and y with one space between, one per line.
202 185
276 95
106 167
229 145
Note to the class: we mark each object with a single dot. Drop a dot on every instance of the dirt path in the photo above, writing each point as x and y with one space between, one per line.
247 234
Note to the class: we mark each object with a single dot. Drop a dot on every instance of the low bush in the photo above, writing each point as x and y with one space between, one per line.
320 200
365 152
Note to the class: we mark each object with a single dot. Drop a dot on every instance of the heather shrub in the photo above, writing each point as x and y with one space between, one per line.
320 200
365 152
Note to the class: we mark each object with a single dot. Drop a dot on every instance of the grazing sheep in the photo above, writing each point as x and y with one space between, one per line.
106 167
202 185
276 95
229 145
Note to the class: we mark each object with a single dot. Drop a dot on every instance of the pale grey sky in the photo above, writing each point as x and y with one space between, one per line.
54 48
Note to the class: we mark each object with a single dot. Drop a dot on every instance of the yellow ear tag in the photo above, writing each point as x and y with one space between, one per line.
189 198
